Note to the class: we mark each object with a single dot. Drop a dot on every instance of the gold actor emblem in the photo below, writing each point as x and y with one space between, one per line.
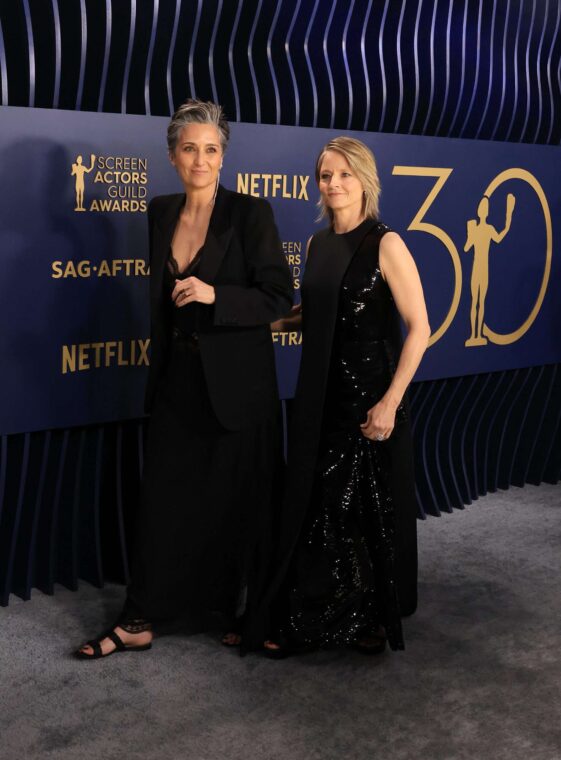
480 235
78 171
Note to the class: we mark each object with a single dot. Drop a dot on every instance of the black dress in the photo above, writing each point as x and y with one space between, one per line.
203 532
353 555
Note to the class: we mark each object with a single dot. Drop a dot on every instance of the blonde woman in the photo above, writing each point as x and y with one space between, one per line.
348 552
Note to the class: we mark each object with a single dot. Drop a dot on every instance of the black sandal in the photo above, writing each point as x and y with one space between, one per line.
284 648
231 644
374 643
278 652
120 646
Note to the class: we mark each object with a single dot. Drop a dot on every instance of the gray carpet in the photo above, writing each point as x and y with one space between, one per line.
480 678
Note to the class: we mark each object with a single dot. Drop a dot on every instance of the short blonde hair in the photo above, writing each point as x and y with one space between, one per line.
361 160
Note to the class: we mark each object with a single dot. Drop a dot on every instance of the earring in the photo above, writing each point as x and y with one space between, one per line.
216 188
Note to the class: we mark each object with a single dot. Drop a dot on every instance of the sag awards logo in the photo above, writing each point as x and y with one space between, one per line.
116 184
481 238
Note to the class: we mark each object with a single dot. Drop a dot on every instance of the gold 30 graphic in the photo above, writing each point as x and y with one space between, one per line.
480 235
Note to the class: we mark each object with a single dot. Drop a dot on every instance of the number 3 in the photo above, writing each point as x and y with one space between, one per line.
418 224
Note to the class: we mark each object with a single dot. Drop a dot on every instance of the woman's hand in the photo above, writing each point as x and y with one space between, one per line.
380 421
190 290
292 321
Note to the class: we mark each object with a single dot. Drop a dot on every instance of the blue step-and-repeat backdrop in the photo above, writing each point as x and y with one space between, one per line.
482 220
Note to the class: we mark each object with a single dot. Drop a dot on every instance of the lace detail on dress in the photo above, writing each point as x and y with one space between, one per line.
173 266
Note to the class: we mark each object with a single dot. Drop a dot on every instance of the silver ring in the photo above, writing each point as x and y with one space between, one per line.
380 437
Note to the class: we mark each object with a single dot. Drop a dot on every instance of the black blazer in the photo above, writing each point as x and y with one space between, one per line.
242 258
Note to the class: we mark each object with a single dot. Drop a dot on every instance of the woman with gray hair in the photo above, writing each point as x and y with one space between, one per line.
218 277
348 554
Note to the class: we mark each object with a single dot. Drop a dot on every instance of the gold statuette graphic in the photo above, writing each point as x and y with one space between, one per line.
480 235
78 171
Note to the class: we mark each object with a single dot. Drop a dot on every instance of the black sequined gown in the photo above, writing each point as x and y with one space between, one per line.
342 579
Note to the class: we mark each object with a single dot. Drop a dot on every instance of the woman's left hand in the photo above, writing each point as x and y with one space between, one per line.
380 421
192 289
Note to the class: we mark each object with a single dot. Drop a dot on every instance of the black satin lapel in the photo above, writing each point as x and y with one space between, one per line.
341 255
325 270
213 252
329 268
218 237
164 228
216 243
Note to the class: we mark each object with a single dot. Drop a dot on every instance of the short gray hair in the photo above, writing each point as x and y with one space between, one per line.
198 112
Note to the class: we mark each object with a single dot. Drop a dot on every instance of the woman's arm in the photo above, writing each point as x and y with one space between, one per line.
270 293
293 320
400 272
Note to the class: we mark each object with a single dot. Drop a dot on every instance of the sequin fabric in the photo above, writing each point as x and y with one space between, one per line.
343 584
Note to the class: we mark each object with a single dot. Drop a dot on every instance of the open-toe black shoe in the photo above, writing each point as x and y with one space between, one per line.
231 644
284 649
120 646
374 643
278 652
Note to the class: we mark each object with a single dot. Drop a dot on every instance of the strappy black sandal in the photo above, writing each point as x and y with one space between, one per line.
120 646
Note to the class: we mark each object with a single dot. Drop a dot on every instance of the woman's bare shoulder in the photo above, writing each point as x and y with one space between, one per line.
391 241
